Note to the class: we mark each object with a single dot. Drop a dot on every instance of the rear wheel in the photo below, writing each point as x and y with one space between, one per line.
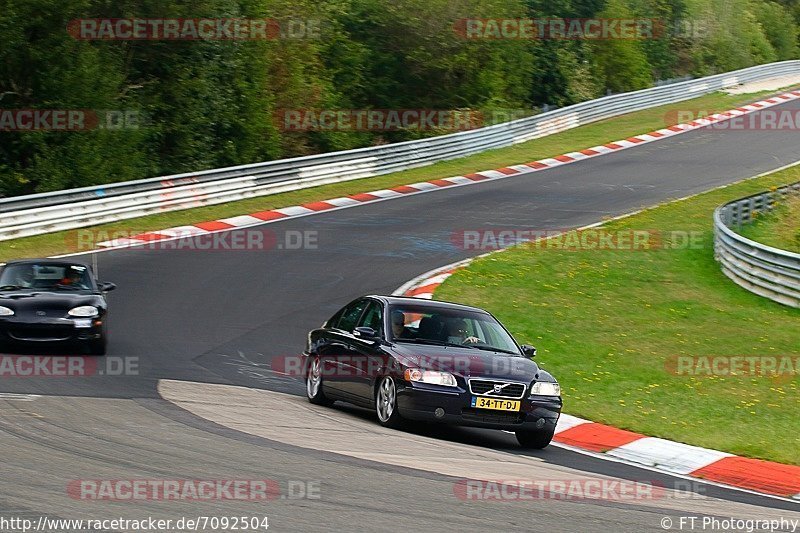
314 383
386 403
535 439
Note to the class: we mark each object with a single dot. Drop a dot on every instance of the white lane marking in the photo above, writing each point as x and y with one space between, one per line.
342 201
460 179
550 162
18 397
606 457
577 156
626 143
566 422
491 174
603 149
424 295
241 220
385 193
667 455
292 211
425 186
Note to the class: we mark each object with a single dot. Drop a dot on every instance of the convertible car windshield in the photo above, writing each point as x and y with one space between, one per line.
437 325
44 276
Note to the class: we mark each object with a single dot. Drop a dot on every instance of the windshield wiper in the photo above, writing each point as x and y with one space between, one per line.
10 288
492 349
435 342
68 287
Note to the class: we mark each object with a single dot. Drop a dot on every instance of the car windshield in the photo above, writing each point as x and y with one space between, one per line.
425 324
45 276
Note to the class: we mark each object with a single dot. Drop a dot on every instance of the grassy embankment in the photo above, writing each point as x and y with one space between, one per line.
610 325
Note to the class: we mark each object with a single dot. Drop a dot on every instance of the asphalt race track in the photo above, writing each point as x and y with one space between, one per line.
221 317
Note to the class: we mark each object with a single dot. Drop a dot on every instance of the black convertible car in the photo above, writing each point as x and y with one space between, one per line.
409 358
52 301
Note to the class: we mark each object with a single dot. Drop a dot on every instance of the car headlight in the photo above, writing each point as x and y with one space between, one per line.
546 388
84 311
430 376
5 311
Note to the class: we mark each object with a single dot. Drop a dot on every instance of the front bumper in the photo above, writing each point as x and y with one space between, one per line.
420 401
49 330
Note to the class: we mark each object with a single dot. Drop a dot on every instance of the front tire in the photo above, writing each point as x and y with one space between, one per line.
535 440
314 391
386 403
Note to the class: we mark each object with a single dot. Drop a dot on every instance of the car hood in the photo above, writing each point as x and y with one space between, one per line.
468 362
55 304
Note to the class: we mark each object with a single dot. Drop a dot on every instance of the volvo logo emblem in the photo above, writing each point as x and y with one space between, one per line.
498 388
41 313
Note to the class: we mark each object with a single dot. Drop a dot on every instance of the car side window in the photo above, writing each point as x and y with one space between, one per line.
332 321
373 318
351 314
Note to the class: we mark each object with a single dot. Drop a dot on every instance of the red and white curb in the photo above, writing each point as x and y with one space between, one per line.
722 468
284 213
677 458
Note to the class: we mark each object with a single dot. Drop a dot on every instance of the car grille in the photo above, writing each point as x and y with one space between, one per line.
485 387
41 333
492 417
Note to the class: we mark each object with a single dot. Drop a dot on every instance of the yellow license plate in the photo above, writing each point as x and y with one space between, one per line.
495 403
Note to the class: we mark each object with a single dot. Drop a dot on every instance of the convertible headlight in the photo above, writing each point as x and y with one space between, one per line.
5 311
84 311
430 376
545 388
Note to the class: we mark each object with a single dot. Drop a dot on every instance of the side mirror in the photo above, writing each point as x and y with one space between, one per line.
367 334
105 286
528 350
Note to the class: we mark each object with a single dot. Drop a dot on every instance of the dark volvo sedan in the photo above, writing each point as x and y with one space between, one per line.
46 301
416 359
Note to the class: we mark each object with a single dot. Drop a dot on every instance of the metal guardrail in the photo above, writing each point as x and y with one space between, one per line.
62 210
761 269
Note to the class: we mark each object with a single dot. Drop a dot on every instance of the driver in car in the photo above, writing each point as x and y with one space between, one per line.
399 330
457 332
72 278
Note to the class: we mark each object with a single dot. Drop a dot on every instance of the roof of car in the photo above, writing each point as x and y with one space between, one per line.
410 300
47 262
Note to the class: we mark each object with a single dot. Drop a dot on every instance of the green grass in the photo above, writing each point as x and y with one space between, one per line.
609 325
780 228
575 139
